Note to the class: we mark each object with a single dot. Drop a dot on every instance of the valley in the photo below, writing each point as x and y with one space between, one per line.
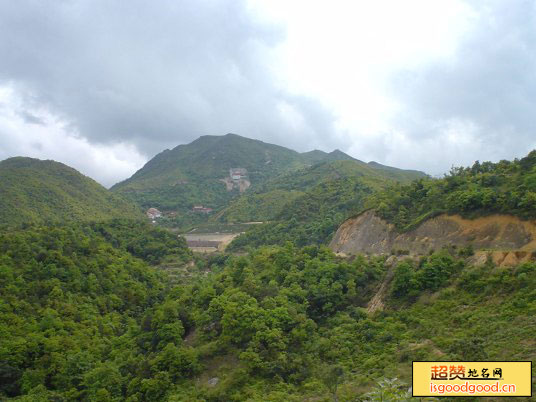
267 201
177 286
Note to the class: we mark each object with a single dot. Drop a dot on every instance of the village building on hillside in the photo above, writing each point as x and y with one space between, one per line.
237 179
153 213
238 174
201 209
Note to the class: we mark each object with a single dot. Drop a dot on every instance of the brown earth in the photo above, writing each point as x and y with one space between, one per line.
376 303
507 239
209 242
242 184
229 185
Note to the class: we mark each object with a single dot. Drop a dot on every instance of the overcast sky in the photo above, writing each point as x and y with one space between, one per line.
424 84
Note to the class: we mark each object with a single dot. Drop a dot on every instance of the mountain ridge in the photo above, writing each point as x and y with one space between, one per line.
35 190
198 173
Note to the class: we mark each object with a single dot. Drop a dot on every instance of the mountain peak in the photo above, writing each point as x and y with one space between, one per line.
338 154
25 161
197 173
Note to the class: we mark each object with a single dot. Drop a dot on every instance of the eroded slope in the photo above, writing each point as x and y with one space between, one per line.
368 233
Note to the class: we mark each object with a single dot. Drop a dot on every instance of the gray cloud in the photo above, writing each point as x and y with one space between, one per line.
487 92
30 118
154 74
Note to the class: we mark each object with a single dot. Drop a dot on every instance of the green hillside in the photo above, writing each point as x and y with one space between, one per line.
307 206
212 157
192 174
258 206
316 156
309 177
401 174
39 191
507 187
72 301
85 319
95 311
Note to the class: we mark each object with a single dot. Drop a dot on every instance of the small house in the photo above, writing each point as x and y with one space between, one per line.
153 213
237 174
201 209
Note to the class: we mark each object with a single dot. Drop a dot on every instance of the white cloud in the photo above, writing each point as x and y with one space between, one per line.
418 84
45 136
343 52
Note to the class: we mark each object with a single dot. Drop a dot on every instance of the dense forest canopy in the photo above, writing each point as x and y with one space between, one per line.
39 191
82 318
193 174
93 310
71 298
507 187
306 207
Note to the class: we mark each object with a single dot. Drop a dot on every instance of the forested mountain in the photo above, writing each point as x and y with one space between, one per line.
199 173
401 174
506 187
72 297
194 174
211 157
89 311
83 319
306 206
32 190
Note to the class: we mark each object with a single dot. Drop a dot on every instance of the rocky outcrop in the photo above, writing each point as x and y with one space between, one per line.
508 238
240 184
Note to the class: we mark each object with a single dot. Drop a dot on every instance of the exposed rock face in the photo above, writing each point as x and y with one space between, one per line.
213 382
369 234
240 184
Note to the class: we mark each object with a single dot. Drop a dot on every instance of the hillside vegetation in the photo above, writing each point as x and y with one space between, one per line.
308 205
507 187
46 191
121 310
192 174
212 157
83 319
72 297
